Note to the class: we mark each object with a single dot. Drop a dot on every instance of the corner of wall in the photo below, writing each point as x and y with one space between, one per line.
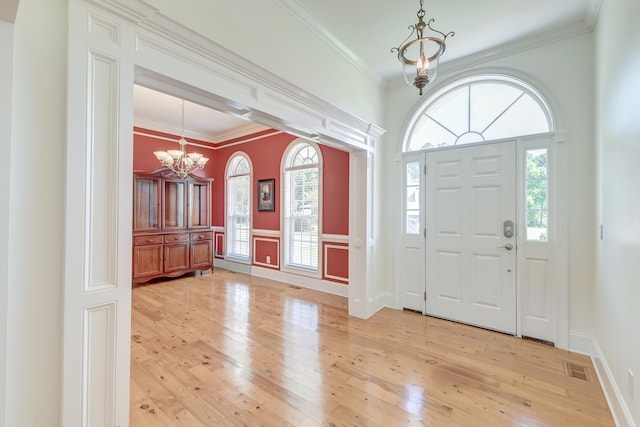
617 405
582 343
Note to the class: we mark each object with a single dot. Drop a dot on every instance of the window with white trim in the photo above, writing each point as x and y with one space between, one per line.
536 188
238 207
478 109
301 205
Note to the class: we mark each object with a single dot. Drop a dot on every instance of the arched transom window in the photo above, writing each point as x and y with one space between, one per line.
478 109
238 207
301 205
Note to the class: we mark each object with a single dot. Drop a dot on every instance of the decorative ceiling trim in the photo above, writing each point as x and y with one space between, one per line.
237 86
312 24
214 138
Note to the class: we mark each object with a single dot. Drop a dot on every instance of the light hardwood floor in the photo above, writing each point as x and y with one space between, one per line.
232 350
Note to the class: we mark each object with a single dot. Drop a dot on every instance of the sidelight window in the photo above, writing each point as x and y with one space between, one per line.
537 184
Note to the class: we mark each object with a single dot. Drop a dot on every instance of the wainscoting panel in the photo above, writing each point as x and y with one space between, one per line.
336 262
266 252
218 240
98 387
102 214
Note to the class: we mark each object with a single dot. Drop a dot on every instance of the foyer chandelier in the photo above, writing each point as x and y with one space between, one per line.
178 161
420 68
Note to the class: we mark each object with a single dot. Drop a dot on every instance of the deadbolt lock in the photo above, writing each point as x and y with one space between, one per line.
508 228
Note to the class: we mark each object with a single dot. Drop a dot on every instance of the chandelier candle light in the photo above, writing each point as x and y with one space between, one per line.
178 161
422 70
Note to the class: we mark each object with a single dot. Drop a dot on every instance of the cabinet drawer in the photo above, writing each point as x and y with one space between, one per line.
201 236
147 240
172 238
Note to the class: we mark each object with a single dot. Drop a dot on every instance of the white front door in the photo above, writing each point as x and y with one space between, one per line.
470 256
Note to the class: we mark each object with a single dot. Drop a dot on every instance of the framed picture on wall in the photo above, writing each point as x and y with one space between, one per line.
266 195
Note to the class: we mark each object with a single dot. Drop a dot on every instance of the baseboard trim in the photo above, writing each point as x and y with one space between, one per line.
232 266
581 343
617 405
302 281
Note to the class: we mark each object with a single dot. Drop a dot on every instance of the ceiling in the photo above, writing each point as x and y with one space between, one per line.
364 32
163 113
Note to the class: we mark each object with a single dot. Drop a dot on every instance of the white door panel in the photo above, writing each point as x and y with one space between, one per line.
470 274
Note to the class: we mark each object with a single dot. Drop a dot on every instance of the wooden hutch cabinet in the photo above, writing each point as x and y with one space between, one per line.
172 232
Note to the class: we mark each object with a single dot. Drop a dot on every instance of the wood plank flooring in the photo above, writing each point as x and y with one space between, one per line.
232 350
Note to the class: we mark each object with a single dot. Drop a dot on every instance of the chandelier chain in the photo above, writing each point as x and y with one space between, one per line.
420 68
179 161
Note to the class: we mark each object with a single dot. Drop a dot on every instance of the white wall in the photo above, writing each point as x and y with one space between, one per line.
36 190
35 257
6 73
617 287
562 72
269 36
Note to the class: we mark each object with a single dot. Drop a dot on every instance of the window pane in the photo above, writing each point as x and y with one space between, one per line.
238 207
413 222
301 208
412 200
429 134
243 167
451 111
484 108
488 101
537 195
523 118
413 173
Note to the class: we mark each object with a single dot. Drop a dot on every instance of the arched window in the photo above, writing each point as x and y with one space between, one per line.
301 205
478 109
238 207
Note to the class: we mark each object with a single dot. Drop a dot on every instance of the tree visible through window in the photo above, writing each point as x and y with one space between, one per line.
238 218
301 206
537 198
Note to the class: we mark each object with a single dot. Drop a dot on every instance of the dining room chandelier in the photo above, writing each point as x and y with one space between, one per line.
420 56
179 161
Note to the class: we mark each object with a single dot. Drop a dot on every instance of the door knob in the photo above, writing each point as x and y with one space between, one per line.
507 246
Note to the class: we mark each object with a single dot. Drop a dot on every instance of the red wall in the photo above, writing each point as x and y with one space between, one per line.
335 191
265 154
143 147
266 159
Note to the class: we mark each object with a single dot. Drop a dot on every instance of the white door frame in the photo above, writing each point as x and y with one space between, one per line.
557 146
113 45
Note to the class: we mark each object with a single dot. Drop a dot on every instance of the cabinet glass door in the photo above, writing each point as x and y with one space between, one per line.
198 204
174 204
146 204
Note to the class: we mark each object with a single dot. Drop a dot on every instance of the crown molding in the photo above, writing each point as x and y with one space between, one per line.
312 24
246 89
213 138
133 10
